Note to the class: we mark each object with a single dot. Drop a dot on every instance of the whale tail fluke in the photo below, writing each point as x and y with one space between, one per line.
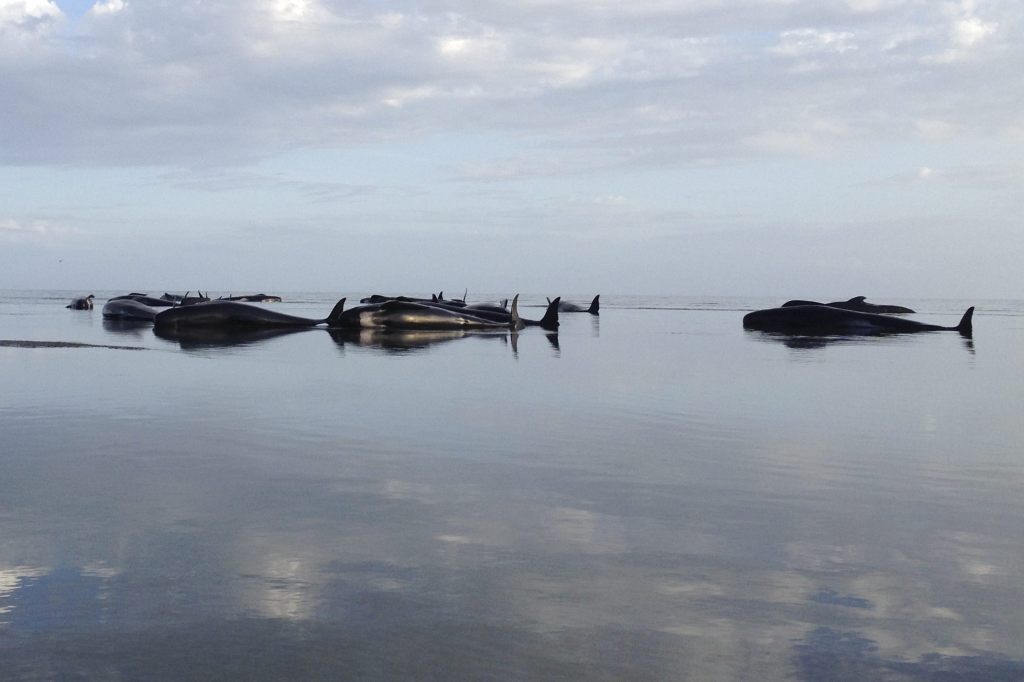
336 312
966 326
550 319
595 306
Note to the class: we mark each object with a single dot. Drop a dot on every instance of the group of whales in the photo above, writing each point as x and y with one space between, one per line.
170 312
854 316
128 302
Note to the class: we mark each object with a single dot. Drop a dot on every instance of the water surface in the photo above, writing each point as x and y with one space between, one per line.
651 494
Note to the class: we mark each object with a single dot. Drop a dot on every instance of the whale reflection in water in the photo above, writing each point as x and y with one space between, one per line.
412 341
215 337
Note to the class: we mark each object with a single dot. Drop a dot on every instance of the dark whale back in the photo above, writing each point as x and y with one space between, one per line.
825 319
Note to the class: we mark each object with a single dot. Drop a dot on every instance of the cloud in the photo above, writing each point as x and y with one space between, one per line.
217 84
15 231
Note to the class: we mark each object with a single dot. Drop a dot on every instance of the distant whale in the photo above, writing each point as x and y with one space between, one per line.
857 303
252 298
151 301
567 307
128 309
81 303
214 314
186 299
823 319
412 315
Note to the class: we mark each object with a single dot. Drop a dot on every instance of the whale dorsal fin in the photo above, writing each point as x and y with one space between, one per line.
856 299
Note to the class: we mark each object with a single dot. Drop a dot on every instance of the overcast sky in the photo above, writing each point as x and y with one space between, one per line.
811 148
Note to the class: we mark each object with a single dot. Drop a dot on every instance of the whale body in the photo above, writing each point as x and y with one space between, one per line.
213 314
128 309
858 303
823 319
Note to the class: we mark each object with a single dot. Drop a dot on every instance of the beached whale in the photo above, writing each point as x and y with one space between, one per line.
857 303
81 303
128 309
252 298
214 314
186 299
823 319
411 315
549 321
151 301
489 307
567 307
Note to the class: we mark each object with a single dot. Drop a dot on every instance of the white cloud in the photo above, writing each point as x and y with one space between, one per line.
211 84
34 230
808 41
967 32
932 129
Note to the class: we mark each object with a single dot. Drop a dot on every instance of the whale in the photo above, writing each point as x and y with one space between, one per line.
489 307
128 309
823 319
549 321
252 298
567 307
412 315
151 301
857 303
214 314
186 299
434 298
81 303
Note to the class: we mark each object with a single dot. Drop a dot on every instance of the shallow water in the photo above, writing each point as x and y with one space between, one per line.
652 494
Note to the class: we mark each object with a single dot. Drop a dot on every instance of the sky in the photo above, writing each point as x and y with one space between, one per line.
815 149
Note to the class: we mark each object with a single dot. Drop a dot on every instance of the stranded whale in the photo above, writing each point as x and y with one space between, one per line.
412 315
567 307
857 303
823 319
128 309
212 314
549 321
81 303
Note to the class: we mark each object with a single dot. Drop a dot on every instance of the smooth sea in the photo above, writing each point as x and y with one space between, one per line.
651 494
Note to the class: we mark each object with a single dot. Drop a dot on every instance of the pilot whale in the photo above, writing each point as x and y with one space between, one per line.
858 303
128 309
213 314
151 301
549 321
252 298
81 303
567 307
412 315
823 319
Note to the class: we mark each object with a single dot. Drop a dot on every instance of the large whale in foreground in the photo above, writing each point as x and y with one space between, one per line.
213 314
823 319
858 303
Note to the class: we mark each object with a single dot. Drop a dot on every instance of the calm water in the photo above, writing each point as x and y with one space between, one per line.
655 494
